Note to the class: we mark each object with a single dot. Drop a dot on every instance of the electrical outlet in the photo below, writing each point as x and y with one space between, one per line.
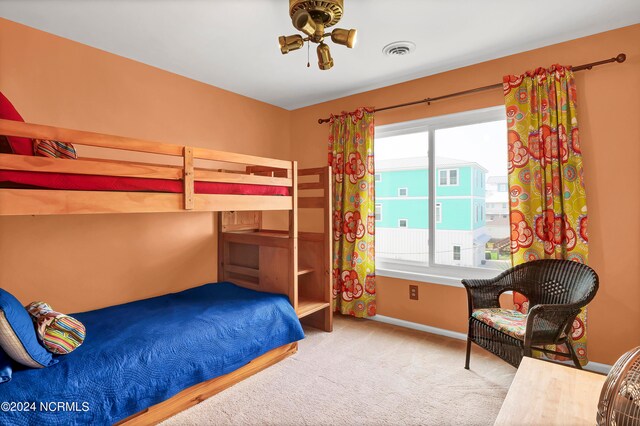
413 292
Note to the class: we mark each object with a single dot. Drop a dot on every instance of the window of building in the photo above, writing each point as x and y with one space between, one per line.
456 252
449 177
378 177
403 192
444 160
444 177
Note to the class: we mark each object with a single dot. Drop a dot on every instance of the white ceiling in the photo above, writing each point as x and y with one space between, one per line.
232 44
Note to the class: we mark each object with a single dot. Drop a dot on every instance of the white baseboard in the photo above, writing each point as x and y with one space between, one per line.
591 366
418 326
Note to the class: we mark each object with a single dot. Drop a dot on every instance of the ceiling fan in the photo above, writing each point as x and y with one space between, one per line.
312 17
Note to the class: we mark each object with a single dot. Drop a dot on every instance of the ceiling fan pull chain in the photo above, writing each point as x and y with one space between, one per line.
308 50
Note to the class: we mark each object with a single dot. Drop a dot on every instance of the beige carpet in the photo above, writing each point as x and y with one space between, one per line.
364 373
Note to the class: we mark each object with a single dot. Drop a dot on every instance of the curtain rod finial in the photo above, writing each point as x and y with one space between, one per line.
621 58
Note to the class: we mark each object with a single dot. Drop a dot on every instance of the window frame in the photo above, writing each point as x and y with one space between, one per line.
459 247
448 176
375 213
435 273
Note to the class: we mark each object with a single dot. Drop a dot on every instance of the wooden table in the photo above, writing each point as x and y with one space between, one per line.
543 393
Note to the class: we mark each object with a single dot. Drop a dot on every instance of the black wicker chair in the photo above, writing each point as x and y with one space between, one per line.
556 289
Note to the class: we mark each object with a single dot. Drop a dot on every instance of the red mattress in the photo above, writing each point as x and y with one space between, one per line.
21 179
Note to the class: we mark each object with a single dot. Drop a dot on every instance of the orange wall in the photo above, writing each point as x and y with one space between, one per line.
609 111
110 259
116 258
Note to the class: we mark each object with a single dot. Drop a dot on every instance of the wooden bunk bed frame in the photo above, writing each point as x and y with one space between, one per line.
43 202
275 252
253 256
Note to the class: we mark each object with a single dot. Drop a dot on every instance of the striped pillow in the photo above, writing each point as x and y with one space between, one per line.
54 149
59 333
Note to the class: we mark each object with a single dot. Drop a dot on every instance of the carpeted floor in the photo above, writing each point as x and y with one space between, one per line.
364 373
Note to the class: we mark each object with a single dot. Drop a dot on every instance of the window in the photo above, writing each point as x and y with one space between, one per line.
445 160
444 177
453 177
378 177
456 252
378 212
448 177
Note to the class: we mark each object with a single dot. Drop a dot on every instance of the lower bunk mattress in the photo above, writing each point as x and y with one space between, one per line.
138 354
75 182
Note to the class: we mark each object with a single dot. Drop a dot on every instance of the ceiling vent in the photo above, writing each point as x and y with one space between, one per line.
399 48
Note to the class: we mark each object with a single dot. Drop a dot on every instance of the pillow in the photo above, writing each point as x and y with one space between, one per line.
17 335
59 333
5 367
54 149
22 146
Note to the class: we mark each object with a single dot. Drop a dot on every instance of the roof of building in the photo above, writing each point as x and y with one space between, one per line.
422 162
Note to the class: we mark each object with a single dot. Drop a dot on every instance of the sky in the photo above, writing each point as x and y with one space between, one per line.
484 143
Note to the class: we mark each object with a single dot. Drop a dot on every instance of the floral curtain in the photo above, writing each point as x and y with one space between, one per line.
548 210
351 158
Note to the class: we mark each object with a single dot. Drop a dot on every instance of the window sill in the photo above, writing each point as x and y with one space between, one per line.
445 276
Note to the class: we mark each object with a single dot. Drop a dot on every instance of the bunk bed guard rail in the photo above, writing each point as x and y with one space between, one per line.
144 160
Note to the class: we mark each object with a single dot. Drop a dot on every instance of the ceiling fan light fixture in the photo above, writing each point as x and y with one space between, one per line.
303 21
312 18
344 37
325 62
289 43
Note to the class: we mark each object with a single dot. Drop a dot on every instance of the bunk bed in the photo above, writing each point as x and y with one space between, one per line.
252 255
161 177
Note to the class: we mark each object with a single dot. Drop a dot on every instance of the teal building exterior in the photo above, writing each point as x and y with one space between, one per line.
402 195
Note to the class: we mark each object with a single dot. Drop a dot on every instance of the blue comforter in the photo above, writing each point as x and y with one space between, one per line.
141 353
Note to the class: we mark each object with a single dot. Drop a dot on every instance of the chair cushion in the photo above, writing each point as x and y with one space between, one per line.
506 320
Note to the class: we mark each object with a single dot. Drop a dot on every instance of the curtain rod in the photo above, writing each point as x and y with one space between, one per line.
619 59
